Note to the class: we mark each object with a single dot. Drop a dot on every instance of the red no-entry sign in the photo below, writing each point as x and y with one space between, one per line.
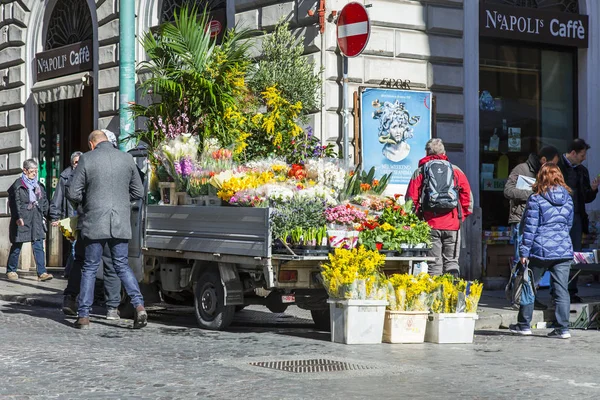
353 29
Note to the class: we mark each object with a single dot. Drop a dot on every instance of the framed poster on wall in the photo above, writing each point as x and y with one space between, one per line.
395 125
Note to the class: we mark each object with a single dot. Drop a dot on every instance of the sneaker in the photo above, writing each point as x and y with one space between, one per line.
12 276
82 323
112 314
45 277
538 305
516 328
141 318
69 306
560 334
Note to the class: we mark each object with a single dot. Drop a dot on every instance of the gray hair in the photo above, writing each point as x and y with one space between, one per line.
435 147
29 164
75 154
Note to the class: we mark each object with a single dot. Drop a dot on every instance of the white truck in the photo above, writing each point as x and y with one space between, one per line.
220 259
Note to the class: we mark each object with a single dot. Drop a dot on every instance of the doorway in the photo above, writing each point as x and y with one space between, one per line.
66 126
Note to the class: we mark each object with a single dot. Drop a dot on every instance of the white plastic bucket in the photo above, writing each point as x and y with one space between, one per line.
451 328
404 326
357 321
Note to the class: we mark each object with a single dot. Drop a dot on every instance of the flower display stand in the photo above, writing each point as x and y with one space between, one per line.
404 326
357 321
450 327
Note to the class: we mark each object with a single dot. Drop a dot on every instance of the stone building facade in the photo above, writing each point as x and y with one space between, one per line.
433 44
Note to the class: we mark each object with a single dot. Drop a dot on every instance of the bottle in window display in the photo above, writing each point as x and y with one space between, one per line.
514 139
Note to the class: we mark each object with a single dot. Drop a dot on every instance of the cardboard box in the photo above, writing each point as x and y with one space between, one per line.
585 316
498 260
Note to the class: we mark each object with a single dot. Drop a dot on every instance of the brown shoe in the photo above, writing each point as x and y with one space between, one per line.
12 276
82 323
141 318
45 277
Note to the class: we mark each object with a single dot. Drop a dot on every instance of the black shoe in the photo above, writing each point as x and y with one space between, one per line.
69 306
576 299
537 305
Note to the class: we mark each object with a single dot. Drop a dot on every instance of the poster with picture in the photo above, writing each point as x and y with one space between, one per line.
395 125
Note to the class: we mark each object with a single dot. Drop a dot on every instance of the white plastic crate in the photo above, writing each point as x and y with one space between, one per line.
357 321
451 328
404 326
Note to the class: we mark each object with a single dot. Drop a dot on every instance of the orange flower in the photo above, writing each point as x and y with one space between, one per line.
365 187
397 195
375 182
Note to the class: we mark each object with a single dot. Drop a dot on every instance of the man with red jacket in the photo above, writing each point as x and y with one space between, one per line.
445 222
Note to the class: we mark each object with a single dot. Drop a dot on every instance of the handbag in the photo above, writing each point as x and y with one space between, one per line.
520 290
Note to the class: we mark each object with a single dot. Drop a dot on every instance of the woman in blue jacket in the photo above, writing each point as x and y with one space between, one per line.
546 245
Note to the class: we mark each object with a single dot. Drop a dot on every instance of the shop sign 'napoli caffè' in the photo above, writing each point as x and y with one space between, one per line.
64 60
520 23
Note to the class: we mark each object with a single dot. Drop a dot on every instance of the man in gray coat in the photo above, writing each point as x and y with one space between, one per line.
518 196
104 184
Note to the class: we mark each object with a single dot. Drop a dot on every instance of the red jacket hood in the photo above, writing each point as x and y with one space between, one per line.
432 157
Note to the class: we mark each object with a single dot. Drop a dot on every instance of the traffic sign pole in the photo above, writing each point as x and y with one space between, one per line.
346 119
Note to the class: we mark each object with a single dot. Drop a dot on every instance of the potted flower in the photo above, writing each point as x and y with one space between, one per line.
354 282
409 301
454 310
298 221
343 222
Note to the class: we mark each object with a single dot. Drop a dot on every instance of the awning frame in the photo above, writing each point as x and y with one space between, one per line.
61 88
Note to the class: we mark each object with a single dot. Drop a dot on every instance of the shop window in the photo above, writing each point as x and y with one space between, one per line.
527 100
70 22
170 6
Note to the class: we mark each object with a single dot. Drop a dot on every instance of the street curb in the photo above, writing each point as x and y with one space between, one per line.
28 301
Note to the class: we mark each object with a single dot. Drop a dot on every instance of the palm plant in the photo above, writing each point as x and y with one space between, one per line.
192 78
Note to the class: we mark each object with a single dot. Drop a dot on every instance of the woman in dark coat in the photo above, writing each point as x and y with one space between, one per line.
546 245
28 208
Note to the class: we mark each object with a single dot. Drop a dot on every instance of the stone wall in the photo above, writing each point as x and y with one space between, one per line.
420 41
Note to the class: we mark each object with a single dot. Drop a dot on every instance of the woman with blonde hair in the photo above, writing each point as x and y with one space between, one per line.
546 245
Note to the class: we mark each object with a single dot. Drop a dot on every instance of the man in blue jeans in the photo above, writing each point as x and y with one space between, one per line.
104 183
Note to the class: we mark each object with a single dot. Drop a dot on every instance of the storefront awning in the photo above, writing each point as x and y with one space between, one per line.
61 88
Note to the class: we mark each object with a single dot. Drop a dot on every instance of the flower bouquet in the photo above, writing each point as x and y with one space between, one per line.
354 274
68 227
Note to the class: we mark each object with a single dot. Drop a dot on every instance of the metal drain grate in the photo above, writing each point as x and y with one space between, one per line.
309 366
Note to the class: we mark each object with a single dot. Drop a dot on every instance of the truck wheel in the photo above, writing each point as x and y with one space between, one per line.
321 319
209 302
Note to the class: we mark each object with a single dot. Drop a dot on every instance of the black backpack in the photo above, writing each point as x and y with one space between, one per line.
439 194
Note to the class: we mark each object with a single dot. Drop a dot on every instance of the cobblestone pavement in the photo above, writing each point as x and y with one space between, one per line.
43 357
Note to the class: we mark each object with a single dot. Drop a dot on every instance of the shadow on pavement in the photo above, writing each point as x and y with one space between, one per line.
34 285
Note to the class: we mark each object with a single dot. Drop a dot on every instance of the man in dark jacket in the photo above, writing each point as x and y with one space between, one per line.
61 208
518 196
104 183
577 178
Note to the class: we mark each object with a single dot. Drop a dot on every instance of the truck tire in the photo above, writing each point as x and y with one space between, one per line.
209 302
321 319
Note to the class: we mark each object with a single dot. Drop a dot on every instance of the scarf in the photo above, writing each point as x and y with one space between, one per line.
33 187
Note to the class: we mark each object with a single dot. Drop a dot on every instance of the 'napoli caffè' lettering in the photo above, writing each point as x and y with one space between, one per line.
64 60
522 23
